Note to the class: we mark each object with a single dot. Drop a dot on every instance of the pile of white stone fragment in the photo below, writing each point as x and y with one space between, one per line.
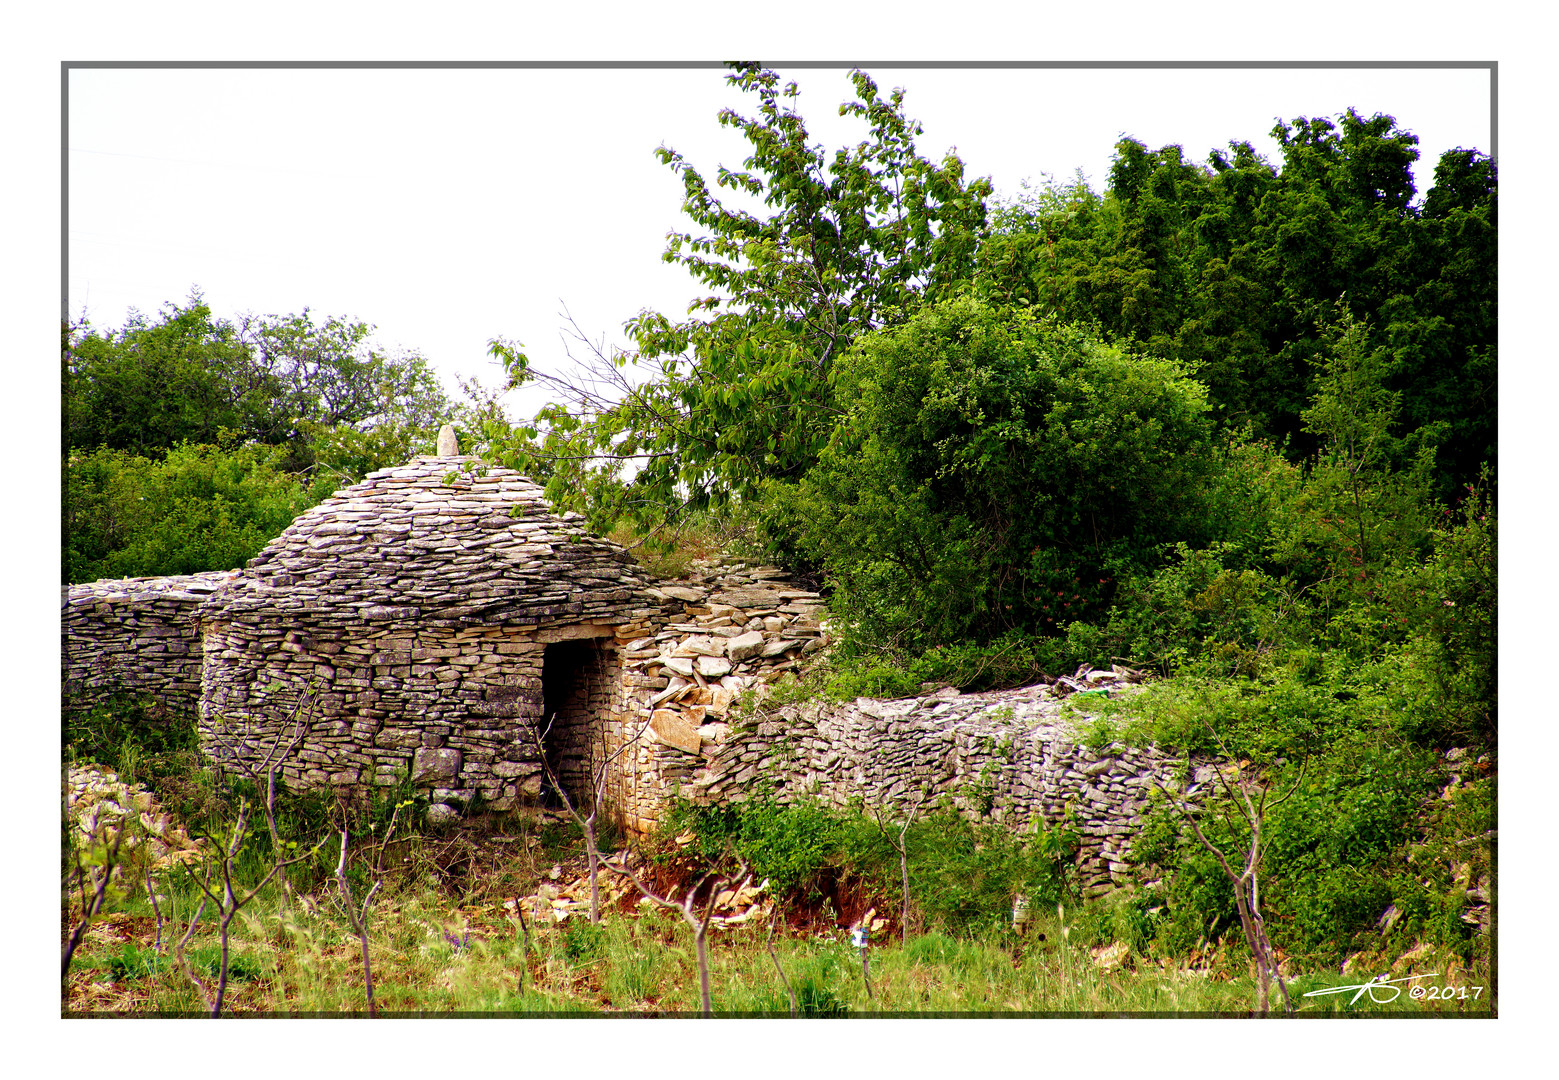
101 807
564 896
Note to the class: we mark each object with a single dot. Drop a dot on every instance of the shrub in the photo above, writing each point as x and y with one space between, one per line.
1330 850
584 941
993 472
963 875
124 727
797 846
199 508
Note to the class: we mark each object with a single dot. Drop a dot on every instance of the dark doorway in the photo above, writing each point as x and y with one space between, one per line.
571 691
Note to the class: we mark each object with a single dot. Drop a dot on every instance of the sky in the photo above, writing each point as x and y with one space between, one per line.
449 207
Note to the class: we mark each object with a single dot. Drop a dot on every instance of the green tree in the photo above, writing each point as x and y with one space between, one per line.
286 381
152 385
195 508
996 471
1230 267
1366 515
341 400
742 392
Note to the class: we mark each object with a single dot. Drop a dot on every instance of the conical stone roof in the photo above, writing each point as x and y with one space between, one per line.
437 542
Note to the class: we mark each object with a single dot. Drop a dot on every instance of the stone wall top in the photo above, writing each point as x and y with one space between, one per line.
176 587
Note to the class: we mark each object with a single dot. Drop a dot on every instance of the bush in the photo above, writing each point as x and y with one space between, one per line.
797 846
120 731
199 508
1449 660
994 474
1014 659
1330 851
584 941
963 875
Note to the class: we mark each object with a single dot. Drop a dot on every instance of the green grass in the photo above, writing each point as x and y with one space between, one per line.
441 939
287 960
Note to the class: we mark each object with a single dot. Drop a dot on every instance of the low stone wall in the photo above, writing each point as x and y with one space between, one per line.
134 635
1007 756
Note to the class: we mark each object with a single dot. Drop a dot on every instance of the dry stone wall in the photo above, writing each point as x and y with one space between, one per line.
134 635
1012 757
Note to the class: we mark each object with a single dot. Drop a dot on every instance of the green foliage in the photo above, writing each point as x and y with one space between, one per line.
1330 849
122 729
816 985
996 472
241 966
963 875
132 962
151 386
1449 660
743 393
195 508
869 669
1228 267
320 390
797 846
584 941
188 440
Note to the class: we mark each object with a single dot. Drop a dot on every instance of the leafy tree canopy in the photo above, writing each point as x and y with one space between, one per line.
742 392
995 471
315 388
1233 267
191 441
192 509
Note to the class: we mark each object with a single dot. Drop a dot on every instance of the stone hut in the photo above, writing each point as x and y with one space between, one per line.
435 618
439 623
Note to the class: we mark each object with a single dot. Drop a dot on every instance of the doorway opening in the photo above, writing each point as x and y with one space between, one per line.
573 692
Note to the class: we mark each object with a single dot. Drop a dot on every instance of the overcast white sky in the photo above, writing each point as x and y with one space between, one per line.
448 207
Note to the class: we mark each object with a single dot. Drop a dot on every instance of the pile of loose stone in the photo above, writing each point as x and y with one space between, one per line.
557 900
725 631
101 807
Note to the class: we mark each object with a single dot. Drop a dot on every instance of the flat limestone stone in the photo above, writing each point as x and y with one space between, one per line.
748 644
712 667
673 730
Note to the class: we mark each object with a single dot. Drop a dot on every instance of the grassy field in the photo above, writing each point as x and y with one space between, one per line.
443 940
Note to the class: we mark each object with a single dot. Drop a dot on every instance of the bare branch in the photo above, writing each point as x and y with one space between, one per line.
697 920
769 944
91 908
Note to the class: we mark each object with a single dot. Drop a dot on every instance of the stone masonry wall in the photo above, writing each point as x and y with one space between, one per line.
135 635
1008 756
722 631
654 695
